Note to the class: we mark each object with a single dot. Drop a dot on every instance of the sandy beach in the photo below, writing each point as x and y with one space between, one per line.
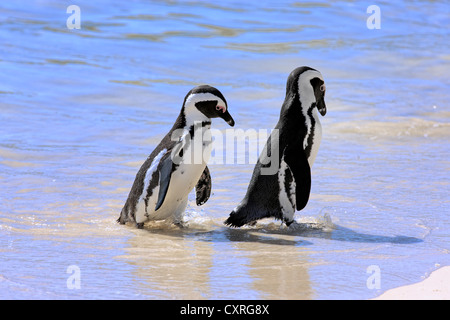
435 287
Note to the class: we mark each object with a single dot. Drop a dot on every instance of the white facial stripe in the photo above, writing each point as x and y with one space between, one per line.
192 113
307 97
197 97
311 74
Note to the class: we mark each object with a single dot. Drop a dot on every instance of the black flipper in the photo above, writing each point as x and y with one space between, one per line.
296 159
165 173
203 187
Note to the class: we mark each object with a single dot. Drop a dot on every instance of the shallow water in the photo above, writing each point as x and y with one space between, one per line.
82 109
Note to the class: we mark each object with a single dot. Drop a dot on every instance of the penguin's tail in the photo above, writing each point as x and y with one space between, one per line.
123 216
239 217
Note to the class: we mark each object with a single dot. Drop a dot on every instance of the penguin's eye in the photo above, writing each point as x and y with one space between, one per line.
221 108
322 88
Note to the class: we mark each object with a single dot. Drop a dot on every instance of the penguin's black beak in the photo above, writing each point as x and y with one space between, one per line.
228 118
321 106
222 112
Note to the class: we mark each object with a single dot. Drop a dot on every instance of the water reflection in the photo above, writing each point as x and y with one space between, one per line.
168 269
208 261
219 263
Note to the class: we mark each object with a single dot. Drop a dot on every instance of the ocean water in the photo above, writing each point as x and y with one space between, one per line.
81 109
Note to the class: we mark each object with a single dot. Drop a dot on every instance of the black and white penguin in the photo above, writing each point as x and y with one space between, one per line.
178 164
291 151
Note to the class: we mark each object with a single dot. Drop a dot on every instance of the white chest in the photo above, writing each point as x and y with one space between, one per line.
316 131
196 151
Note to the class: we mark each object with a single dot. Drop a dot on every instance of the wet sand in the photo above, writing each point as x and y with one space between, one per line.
435 287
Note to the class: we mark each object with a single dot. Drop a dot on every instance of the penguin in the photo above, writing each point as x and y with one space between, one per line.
179 162
291 150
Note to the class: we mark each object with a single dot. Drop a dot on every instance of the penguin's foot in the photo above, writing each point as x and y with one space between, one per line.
121 219
294 225
289 222
140 225
180 224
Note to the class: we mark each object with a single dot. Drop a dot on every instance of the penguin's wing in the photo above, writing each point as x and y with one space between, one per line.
296 159
203 187
165 173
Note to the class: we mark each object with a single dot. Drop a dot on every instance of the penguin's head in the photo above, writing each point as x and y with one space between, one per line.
307 85
205 102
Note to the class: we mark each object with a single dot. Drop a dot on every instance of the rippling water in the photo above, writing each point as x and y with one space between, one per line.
82 109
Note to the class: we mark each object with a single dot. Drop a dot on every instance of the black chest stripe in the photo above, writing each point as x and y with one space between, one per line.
310 140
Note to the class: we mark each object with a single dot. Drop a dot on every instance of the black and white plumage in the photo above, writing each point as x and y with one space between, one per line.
294 149
178 164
